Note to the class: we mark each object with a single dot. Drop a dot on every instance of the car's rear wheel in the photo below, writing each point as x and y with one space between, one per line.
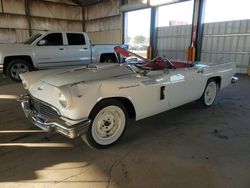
210 93
16 67
108 124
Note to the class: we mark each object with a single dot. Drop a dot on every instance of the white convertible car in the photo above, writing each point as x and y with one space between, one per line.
95 101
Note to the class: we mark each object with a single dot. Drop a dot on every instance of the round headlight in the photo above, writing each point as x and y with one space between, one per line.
63 100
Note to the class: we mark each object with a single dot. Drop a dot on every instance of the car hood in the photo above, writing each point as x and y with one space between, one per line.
85 74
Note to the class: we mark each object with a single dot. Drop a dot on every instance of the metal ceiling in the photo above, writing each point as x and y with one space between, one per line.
86 2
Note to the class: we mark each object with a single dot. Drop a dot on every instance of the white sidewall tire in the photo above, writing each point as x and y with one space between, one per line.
116 113
118 119
210 93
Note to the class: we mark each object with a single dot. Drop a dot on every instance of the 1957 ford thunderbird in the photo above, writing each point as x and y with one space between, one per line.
95 101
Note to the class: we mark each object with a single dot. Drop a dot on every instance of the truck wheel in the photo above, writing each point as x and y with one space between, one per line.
210 93
108 124
108 59
16 67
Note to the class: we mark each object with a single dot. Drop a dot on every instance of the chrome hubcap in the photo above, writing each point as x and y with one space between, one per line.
17 69
108 125
210 93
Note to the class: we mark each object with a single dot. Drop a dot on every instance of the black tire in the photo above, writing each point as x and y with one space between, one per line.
212 83
108 59
91 137
25 66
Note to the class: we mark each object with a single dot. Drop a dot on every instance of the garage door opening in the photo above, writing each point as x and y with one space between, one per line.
174 29
137 30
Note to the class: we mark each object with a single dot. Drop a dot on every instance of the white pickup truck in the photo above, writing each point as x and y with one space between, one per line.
52 50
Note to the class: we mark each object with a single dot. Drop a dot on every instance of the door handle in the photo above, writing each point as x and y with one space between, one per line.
85 48
61 49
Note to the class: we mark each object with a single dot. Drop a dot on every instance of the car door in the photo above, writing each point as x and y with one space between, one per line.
165 89
78 49
50 51
184 85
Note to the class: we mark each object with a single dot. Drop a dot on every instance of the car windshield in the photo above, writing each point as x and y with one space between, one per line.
32 38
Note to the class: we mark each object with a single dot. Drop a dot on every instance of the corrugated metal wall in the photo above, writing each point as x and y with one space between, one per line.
222 42
13 22
103 22
56 17
173 41
227 41
44 15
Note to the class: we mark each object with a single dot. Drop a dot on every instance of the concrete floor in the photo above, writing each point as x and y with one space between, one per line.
190 146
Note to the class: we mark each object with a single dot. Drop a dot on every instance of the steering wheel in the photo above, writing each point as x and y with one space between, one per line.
168 62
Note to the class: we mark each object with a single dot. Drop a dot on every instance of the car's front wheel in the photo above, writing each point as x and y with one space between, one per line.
210 93
108 124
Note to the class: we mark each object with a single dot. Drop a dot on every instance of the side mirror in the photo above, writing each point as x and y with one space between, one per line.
42 42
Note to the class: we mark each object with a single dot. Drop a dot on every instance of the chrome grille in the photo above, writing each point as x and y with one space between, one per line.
43 108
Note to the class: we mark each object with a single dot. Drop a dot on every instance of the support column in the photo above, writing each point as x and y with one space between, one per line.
153 33
123 27
27 12
2 6
194 52
83 19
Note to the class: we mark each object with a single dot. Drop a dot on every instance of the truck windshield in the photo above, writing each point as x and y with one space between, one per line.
32 38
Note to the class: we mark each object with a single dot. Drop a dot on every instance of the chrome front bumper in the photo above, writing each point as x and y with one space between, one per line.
234 79
53 125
